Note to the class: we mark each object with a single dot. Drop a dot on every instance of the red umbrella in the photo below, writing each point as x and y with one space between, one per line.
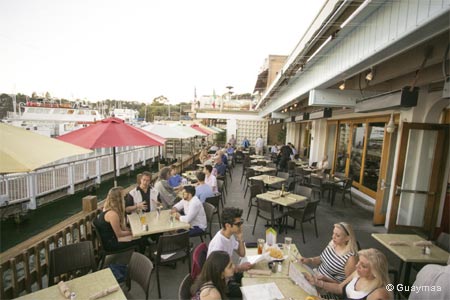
198 128
110 132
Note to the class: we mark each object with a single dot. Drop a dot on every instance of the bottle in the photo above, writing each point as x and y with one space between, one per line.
282 190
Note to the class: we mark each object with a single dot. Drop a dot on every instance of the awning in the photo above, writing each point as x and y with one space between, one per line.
168 132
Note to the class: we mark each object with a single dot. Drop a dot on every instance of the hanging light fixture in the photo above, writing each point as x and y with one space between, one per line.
370 75
390 127
342 86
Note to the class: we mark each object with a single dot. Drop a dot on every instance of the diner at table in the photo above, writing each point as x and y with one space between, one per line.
167 194
202 190
139 197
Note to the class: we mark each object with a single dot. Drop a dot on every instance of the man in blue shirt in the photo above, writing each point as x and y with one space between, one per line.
220 167
245 143
202 190
175 179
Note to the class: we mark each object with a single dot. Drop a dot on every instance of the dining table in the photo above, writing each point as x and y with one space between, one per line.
261 274
284 199
83 287
154 222
407 247
263 169
269 179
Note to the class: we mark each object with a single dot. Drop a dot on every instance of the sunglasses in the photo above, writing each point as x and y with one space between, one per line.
239 223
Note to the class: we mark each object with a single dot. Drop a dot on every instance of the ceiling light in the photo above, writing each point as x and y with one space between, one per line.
370 75
295 105
342 86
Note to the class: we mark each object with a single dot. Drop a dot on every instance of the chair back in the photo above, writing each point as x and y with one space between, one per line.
261 163
210 210
326 171
140 270
265 206
168 244
256 188
314 164
310 211
198 259
303 191
291 165
74 260
443 241
271 165
184 291
348 184
284 175
214 200
249 173
316 181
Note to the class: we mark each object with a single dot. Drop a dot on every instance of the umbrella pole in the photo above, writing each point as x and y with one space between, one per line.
115 167
181 154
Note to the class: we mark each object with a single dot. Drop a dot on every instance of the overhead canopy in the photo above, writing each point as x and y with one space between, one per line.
24 151
199 129
187 129
211 131
217 129
168 132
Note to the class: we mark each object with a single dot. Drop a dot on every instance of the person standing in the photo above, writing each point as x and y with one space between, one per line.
194 213
232 141
245 143
231 239
259 145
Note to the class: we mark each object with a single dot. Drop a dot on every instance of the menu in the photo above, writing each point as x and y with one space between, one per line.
299 279
264 291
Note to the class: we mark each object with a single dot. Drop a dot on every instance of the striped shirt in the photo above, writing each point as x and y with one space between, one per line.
332 264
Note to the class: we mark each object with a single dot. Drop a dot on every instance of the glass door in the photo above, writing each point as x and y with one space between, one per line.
419 177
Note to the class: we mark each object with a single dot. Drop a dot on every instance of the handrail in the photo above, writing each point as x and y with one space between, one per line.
19 272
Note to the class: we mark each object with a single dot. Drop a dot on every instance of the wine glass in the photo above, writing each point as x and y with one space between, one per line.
288 242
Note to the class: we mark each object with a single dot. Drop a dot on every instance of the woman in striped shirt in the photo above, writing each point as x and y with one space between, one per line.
338 260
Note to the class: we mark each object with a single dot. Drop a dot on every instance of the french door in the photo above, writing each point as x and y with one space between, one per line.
418 180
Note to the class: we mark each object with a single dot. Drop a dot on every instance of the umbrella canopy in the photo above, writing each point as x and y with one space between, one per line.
217 129
167 131
188 130
202 130
110 132
17 156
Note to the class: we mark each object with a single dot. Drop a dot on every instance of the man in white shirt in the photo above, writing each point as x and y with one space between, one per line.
259 144
323 164
230 239
194 213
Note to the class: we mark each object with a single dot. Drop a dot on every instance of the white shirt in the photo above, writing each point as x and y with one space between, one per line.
194 213
211 180
323 165
222 243
436 278
259 143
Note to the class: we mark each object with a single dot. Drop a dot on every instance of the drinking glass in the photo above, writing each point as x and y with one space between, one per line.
288 242
261 243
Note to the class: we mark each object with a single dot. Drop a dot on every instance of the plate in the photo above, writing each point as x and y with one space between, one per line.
278 259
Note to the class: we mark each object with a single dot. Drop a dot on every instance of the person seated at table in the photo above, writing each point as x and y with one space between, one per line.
274 149
432 275
222 154
369 281
202 190
338 260
214 148
204 156
111 223
231 239
174 179
210 179
230 150
219 167
138 199
167 194
194 213
211 284
323 164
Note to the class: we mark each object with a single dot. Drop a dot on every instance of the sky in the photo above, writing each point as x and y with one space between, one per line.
139 50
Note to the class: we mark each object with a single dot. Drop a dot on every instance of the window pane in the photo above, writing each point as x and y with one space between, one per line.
330 142
373 155
341 158
357 150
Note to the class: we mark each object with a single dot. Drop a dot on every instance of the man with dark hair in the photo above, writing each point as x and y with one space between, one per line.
229 239
210 179
167 194
194 213
202 190
220 168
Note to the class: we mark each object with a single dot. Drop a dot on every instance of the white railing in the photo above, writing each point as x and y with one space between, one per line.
27 186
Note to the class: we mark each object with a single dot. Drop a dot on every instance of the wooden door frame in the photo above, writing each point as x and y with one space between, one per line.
437 177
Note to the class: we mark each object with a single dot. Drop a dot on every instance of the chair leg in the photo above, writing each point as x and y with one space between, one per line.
303 233
315 227
249 209
157 282
254 225
246 188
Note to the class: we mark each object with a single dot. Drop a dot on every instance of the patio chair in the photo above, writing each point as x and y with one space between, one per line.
80 263
245 165
248 174
256 188
291 168
177 246
269 213
140 270
306 214
102 252
210 210
278 186
184 291
221 191
198 259
215 201
346 188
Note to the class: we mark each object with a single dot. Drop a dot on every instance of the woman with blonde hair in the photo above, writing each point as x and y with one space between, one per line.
338 260
111 223
367 282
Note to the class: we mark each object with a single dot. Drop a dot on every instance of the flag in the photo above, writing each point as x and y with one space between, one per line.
214 99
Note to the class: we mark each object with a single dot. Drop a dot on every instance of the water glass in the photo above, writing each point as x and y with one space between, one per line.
288 242
261 243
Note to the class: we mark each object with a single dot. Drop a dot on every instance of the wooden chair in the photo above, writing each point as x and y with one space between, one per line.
140 270
73 260
178 244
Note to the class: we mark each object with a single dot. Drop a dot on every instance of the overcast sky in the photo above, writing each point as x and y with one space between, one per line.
138 50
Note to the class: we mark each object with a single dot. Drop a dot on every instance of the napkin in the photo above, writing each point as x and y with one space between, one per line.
104 293
64 289
259 272
398 243
423 243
